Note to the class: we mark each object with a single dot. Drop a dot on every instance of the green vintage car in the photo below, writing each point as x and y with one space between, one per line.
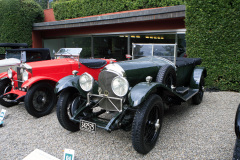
132 94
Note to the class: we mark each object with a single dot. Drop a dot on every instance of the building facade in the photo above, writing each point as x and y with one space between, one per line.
111 35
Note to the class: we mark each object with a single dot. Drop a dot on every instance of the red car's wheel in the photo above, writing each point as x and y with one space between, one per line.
40 99
5 86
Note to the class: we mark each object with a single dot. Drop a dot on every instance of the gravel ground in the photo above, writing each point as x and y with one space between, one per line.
204 131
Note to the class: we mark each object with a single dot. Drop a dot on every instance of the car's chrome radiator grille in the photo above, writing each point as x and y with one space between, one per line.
19 76
104 80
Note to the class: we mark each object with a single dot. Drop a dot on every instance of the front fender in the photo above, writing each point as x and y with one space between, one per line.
141 91
65 82
69 82
3 75
237 122
198 72
33 80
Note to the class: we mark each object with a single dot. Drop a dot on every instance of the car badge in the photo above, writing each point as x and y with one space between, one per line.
106 93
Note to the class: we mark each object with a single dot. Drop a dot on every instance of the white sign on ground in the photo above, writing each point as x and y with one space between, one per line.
68 154
38 154
2 114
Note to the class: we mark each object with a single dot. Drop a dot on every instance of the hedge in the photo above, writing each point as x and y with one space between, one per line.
16 20
213 34
81 8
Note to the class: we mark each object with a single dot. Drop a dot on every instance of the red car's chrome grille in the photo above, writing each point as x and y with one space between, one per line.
19 75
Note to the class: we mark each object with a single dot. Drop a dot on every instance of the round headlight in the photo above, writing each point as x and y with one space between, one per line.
120 86
10 74
86 82
25 75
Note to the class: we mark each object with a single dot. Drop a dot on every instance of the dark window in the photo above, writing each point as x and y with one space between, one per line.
80 42
33 56
115 46
110 47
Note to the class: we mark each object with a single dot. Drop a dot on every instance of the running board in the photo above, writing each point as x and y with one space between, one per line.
190 94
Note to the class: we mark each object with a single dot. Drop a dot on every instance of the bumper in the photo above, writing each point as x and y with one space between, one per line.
108 124
105 119
14 95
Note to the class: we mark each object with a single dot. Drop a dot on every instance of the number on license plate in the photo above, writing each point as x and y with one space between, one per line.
87 126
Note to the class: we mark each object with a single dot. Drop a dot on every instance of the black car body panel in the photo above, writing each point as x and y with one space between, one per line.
32 54
237 122
14 45
236 153
69 82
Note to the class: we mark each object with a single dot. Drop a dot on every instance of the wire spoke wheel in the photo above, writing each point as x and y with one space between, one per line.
66 106
70 107
40 99
147 124
152 125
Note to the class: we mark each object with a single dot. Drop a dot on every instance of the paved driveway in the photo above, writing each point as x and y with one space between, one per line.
204 131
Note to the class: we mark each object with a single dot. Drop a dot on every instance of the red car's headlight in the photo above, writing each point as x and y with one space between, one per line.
11 73
26 75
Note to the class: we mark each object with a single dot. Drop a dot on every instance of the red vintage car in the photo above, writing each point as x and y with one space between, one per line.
34 82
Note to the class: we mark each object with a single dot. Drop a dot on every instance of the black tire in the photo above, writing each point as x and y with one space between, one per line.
144 131
40 99
63 109
167 75
5 86
197 99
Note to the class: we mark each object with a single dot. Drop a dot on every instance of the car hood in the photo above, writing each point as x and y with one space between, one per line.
9 62
138 69
51 63
56 68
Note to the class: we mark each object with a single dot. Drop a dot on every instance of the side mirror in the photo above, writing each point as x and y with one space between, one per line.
23 57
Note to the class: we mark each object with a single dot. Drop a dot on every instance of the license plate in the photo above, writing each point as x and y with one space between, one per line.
87 126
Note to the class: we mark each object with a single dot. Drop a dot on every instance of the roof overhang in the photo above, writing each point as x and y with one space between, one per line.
116 18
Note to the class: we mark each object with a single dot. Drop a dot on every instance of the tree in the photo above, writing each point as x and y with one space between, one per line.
16 20
45 4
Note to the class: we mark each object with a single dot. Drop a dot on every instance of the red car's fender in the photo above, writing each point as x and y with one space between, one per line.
31 81
3 75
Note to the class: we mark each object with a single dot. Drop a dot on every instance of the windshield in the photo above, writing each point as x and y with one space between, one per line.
166 51
73 53
140 50
13 54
